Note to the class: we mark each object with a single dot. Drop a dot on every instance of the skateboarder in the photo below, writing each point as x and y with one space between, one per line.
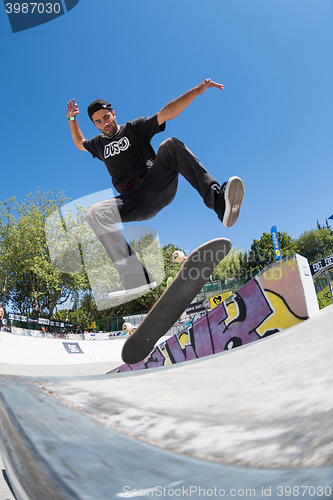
147 182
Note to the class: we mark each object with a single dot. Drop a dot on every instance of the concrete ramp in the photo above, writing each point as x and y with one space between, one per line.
255 421
21 355
281 296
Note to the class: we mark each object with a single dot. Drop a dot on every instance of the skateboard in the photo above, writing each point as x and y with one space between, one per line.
193 274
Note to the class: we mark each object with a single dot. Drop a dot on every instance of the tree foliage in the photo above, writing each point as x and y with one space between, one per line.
29 281
11 249
230 267
261 253
316 243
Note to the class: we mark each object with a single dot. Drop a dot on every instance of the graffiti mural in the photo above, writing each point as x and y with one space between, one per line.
269 303
324 297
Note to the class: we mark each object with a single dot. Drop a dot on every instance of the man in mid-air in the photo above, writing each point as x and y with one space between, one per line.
147 182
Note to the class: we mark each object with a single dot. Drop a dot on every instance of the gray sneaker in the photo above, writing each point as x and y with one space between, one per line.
229 200
135 283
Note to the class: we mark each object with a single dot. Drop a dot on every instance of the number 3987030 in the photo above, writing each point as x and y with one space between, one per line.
33 8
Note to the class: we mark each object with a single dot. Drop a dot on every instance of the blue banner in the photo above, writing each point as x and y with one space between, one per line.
276 244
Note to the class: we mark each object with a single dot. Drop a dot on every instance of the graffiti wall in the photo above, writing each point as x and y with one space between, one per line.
276 299
324 297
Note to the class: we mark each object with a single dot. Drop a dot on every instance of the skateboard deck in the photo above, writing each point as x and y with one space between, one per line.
193 274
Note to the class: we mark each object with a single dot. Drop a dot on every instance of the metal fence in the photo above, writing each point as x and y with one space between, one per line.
115 323
217 287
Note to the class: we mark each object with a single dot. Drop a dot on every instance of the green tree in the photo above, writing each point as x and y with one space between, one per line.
262 253
230 267
11 249
316 243
82 313
326 226
36 287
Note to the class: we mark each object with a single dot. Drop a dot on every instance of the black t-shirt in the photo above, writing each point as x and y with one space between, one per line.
128 154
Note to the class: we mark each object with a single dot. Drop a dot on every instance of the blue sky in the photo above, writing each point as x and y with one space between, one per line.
272 125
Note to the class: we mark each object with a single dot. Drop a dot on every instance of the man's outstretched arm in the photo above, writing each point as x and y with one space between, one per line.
78 137
175 107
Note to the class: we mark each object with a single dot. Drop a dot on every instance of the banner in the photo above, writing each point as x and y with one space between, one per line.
196 307
321 265
17 317
218 299
39 321
276 244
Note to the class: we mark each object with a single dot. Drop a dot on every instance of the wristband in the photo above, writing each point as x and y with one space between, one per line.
71 118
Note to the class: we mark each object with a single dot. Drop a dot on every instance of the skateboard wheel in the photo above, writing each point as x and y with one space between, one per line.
178 256
127 327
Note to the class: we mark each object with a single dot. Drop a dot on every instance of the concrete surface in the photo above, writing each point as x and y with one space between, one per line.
264 405
254 421
58 370
5 492
36 351
35 356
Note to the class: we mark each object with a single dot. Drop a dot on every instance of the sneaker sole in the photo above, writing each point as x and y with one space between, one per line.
233 195
132 291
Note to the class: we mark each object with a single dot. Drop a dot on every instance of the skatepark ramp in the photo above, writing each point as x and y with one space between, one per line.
23 355
255 421
281 296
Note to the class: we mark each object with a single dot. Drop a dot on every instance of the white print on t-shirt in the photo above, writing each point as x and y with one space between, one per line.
115 147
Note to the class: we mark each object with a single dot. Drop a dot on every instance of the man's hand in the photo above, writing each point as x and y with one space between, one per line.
207 84
77 136
174 108
72 109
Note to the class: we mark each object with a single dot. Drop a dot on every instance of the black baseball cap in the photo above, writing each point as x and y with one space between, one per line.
97 105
